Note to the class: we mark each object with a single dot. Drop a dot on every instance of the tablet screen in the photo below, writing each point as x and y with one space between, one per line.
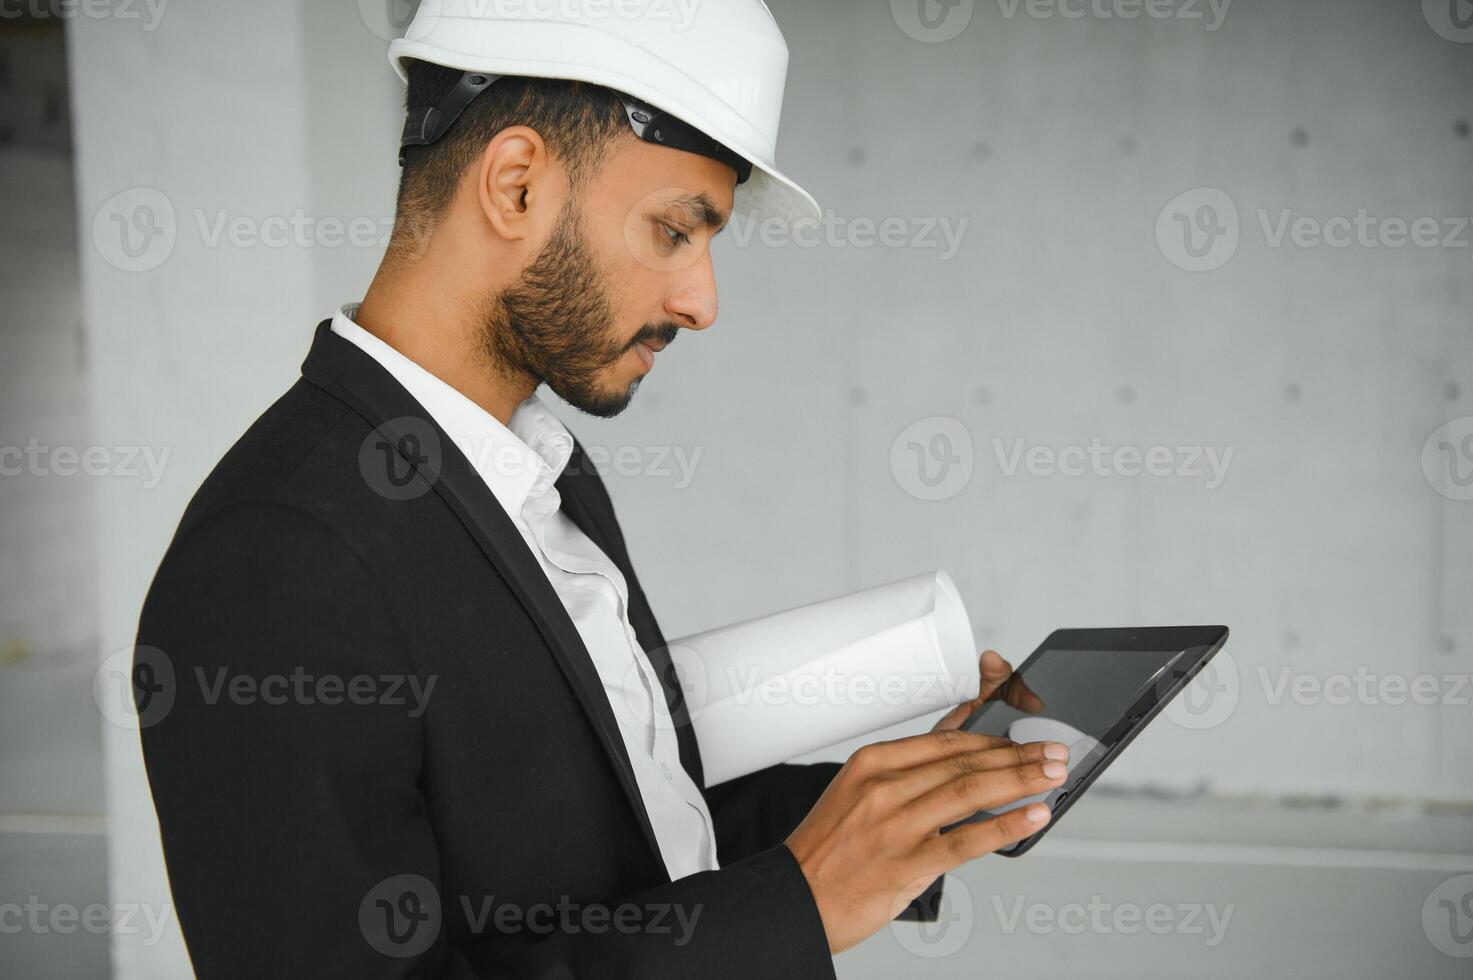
1078 697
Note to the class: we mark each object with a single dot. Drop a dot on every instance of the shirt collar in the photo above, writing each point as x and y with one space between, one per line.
518 462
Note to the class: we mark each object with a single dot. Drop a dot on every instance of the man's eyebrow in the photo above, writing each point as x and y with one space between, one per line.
701 209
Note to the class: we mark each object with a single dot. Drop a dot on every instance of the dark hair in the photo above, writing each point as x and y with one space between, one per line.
576 120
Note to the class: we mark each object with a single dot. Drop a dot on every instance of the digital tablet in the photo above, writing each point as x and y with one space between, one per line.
1094 690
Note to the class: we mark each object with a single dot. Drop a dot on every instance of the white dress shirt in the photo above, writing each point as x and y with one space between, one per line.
520 463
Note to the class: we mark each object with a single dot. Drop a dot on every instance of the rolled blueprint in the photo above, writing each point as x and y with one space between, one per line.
767 690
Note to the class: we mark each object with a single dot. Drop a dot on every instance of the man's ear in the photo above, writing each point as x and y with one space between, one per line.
517 185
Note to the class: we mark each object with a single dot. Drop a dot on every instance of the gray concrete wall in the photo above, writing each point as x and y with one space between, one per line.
1336 542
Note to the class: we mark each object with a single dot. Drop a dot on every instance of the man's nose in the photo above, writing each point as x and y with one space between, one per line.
693 304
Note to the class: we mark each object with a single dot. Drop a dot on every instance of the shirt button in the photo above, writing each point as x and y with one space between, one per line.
666 770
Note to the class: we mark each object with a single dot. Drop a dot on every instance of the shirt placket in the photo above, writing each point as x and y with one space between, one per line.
664 743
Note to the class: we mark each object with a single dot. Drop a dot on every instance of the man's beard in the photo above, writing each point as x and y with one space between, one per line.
555 323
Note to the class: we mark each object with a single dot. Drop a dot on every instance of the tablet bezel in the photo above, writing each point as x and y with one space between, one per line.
1195 646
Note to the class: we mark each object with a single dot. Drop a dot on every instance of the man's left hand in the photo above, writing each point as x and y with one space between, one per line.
997 681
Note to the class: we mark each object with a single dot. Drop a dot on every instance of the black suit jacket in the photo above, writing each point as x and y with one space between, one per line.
326 812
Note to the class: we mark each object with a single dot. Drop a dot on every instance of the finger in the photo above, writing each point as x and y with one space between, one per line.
923 779
1021 696
994 671
993 664
905 753
961 797
957 715
971 841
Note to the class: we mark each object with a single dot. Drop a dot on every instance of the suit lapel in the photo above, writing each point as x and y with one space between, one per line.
341 369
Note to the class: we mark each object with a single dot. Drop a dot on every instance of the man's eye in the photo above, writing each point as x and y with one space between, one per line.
675 235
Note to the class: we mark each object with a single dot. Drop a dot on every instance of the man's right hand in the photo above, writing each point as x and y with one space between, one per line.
873 841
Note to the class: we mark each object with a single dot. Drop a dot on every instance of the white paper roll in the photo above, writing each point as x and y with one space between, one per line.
767 690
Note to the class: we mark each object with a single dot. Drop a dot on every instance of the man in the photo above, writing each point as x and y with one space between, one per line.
425 724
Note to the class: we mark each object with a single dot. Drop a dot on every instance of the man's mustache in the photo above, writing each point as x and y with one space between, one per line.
664 334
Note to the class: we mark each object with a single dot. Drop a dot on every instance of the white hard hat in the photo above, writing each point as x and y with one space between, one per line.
716 65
